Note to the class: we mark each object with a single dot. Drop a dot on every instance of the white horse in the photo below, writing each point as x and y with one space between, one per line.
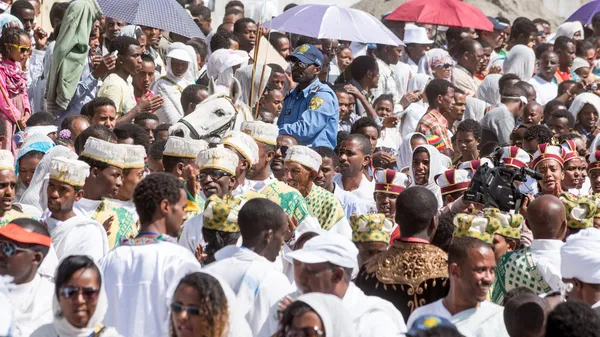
211 120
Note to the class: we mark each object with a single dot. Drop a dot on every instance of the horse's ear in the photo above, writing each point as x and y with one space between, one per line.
235 90
211 87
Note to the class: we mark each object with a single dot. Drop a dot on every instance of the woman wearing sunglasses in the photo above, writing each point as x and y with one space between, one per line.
80 301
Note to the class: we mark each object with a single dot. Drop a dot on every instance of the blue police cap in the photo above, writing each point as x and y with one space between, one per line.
307 53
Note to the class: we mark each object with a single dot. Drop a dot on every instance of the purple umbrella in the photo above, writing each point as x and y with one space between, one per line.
333 22
585 13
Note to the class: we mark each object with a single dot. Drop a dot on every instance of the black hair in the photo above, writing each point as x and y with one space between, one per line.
596 18
364 143
34 226
525 315
170 162
157 149
148 58
488 148
551 106
562 87
215 241
384 97
470 125
233 11
444 232
516 292
464 46
258 216
459 249
58 11
302 39
522 27
505 78
162 127
562 43
562 113
503 20
543 48
415 209
364 122
190 95
295 309
151 191
512 94
339 87
89 108
570 136
144 116
11 35
200 47
276 69
234 3
361 65
326 152
96 131
20 5
539 132
582 46
40 118
525 86
274 38
69 266
540 21
221 40
135 132
32 154
289 6
67 123
200 11
122 44
435 88
573 319
240 24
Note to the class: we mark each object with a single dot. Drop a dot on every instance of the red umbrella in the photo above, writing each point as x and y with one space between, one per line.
453 13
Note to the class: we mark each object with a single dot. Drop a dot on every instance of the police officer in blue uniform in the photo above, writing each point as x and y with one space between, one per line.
310 111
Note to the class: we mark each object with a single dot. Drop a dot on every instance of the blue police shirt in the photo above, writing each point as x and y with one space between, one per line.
311 115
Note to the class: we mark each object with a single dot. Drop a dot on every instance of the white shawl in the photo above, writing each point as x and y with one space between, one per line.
568 29
334 316
581 100
489 90
405 150
435 167
520 61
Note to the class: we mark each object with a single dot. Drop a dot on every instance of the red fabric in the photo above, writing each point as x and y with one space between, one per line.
452 13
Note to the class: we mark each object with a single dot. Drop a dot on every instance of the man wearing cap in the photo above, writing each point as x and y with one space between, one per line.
417 43
453 184
217 177
388 185
580 266
24 244
495 39
370 234
179 159
420 282
248 152
265 135
471 267
249 269
8 185
502 119
310 111
302 165
328 262
72 234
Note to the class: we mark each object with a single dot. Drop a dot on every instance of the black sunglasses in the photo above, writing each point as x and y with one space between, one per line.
88 293
214 175
192 311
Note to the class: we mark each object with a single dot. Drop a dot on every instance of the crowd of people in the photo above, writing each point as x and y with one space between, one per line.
158 185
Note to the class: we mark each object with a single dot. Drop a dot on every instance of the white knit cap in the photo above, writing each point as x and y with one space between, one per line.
69 171
304 156
105 152
218 158
243 144
184 147
135 156
7 160
580 256
261 131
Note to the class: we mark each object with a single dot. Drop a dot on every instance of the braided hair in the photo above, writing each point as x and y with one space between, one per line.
10 35
214 309
215 240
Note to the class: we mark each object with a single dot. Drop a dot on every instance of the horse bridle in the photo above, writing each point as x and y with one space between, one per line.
227 126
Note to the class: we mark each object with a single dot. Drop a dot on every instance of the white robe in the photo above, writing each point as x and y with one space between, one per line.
78 236
485 321
546 91
32 305
256 281
364 192
86 207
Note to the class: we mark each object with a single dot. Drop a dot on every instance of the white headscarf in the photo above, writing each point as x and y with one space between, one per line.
405 150
520 61
581 100
433 57
220 65
580 256
335 317
436 167
244 76
191 74
568 29
489 90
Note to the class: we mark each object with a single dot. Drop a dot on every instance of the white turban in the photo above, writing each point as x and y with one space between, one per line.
580 256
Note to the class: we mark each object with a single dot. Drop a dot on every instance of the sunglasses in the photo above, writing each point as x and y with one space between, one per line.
88 293
21 49
192 311
301 65
9 249
214 175
303 332
541 32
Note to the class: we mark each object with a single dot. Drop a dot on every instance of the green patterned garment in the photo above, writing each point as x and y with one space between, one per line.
517 269
288 198
325 206
12 215
123 225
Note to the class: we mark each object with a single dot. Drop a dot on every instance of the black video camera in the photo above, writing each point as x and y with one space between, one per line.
494 187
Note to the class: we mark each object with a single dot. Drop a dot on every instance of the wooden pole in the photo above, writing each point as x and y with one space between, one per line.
256 47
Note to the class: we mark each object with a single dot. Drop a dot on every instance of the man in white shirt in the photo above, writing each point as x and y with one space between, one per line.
24 244
328 263
471 266
249 270
536 267
542 82
354 155
388 83
580 266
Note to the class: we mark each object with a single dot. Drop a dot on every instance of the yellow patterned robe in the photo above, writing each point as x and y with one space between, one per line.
325 206
288 198
124 225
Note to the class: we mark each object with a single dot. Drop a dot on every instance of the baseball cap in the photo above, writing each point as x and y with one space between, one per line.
307 53
497 24
19 234
328 247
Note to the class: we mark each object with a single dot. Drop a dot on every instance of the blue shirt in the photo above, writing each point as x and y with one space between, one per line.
311 115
